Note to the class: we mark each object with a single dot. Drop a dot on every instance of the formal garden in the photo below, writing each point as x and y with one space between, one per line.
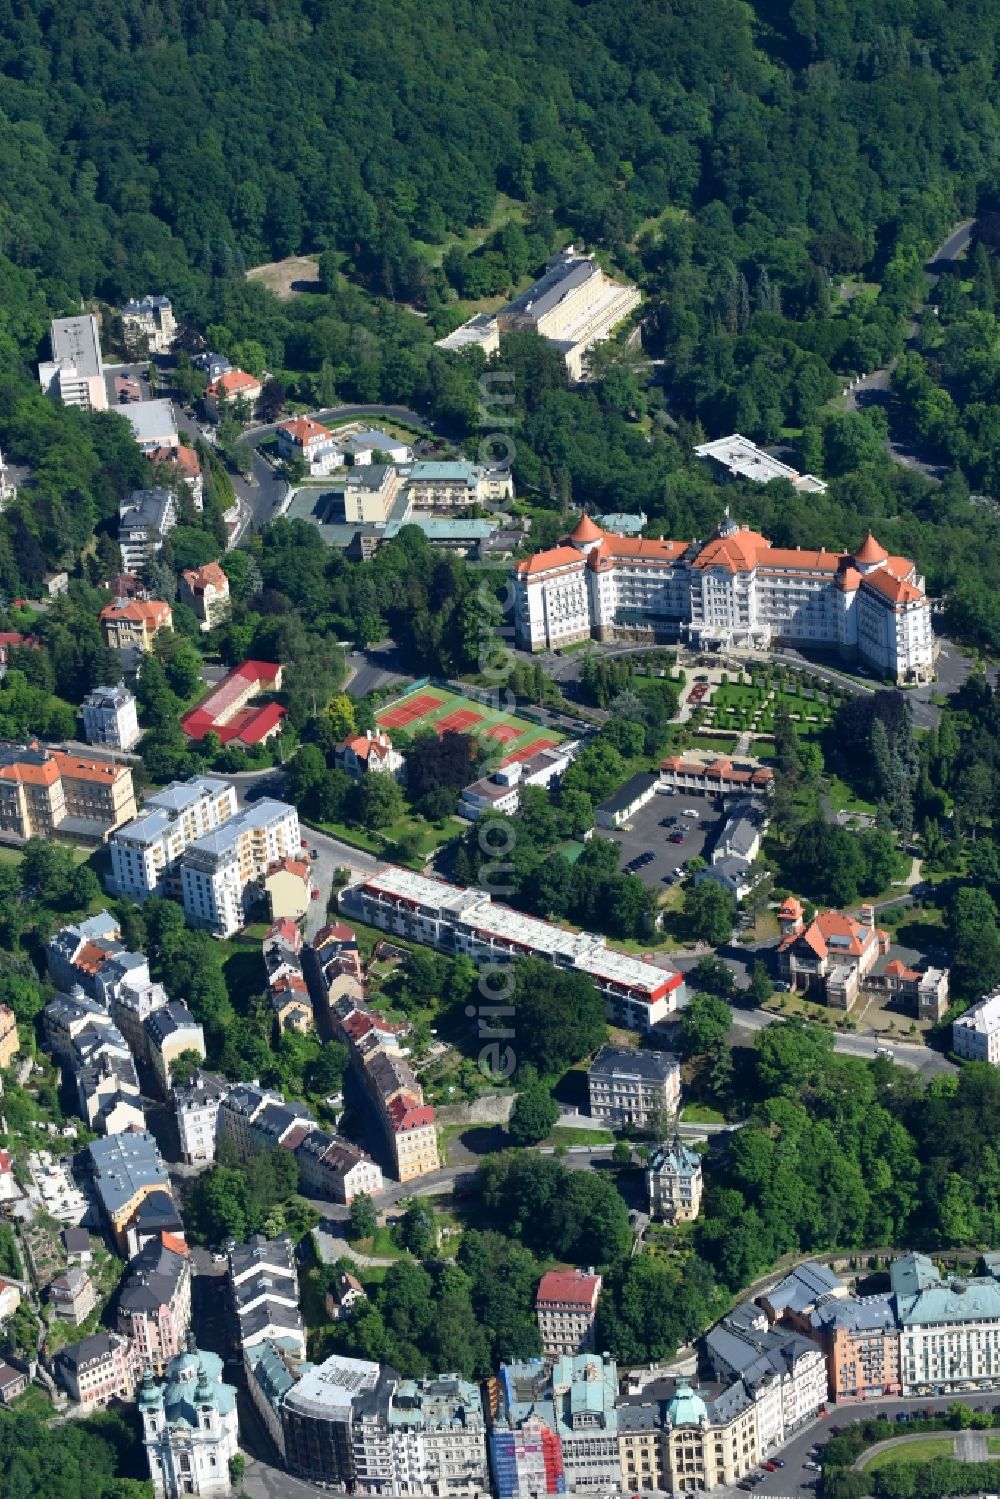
749 705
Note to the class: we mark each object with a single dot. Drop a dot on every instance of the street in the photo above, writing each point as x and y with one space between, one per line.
917 1058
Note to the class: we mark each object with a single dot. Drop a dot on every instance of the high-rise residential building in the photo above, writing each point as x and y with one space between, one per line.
145 518
146 852
75 372
110 718
734 590
47 793
221 872
189 1426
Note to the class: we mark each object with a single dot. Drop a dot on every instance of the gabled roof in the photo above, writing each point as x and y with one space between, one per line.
561 556
154 612
569 1286
892 588
200 578
234 383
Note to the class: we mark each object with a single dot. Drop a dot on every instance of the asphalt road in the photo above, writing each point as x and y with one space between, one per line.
376 666
917 1058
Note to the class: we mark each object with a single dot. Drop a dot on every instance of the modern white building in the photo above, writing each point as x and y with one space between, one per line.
110 718
153 424
740 458
145 852
735 590
501 791
189 1426
573 305
221 872
976 1034
75 373
456 920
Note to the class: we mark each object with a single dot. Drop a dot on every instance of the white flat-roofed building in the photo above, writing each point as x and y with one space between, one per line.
145 852
479 332
75 373
976 1034
638 994
373 444
222 872
573 305
743 459
735 590
145 518
110 718
153 424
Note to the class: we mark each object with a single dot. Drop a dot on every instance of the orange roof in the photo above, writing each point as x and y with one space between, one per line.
893 589
91 958
635 549
45 774
799 560
568 1286
561 556
849 579
586 530
183 458
153 612
790 909
362 746
738 552
171 1241
303 430
833 929
234 383
900 567
87 770
290 866
871 550
200 578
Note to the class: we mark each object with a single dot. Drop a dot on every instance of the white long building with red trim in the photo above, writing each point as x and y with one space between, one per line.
460 921
734 590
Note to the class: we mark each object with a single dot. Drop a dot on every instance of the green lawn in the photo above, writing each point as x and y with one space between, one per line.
701 1113
993 1444
721 744
34 1402
563 1135
924 1451
843 799
430 835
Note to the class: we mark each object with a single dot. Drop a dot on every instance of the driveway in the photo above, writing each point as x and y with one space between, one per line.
374 667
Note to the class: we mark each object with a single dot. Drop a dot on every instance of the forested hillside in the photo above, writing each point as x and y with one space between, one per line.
162 143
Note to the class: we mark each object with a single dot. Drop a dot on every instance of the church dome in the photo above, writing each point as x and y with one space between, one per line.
687 1407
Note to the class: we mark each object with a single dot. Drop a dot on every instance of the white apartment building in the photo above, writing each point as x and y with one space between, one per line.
626 1085
307 441
197 1109
949 1330
75 373
739 458
110 718
151 318
145 517
370 493
976 1034
639 995
145 852
735 590
221 872
437 1438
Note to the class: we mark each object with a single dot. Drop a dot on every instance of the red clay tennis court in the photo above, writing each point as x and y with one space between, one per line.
406 712
459 721
535 748
504 732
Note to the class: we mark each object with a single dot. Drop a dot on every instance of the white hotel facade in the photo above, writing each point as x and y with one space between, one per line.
734 590
457 920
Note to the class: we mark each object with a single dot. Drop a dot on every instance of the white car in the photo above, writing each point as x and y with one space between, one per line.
690 812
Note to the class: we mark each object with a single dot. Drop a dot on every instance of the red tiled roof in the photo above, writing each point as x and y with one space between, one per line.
560 556
892 588
171 1241
871 550
290 866
200 578
217 714
185 459
633 549
153 612
738 552
285 928
303 430
362 746
406 1114
585 530
6 1161
295 1136
334 931
568 1285
91 958
234 383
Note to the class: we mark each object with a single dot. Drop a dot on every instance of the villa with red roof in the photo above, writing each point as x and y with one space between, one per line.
205 590
224 710
185 464
834 953
735 590
311 443
232 387
369 753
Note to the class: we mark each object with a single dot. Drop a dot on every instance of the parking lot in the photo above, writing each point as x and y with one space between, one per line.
645 833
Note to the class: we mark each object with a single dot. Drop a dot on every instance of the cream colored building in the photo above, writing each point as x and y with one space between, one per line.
687 1444
144 854
135 622
574 305
205 590
370 493
222 872
288 887
150 318
8 1036
46 792
674 1182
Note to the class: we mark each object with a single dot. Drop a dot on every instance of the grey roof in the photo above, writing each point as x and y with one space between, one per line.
223 839
88 1351
626 795
645 1417
201 1088
261 1251
269 1313
276 1119
372 437
212 365
108 697
803 1287
563 274
75 1240
730 867
124 1163
158 1211
727 1406
170 1018
150 419
75 340
148 303
368 476
153 1278
146 510
267 1284
858 1313
630 1061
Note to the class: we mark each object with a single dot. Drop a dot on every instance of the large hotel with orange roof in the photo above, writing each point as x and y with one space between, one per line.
734 590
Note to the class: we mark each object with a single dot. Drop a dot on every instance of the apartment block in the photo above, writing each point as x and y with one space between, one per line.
949 1329
153 425
171 1030
110 718
457 485
584 1396
125 1170
145 854
97 1370
456 920
687 1440
629 1086
75 372
264 1294
566 1308
370 493
336 1169
525 1452
47 793
437 1438
72 1296
145 518
860 1337
197 1106
222 871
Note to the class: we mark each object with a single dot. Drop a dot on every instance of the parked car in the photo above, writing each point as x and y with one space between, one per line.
676 838
315 895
